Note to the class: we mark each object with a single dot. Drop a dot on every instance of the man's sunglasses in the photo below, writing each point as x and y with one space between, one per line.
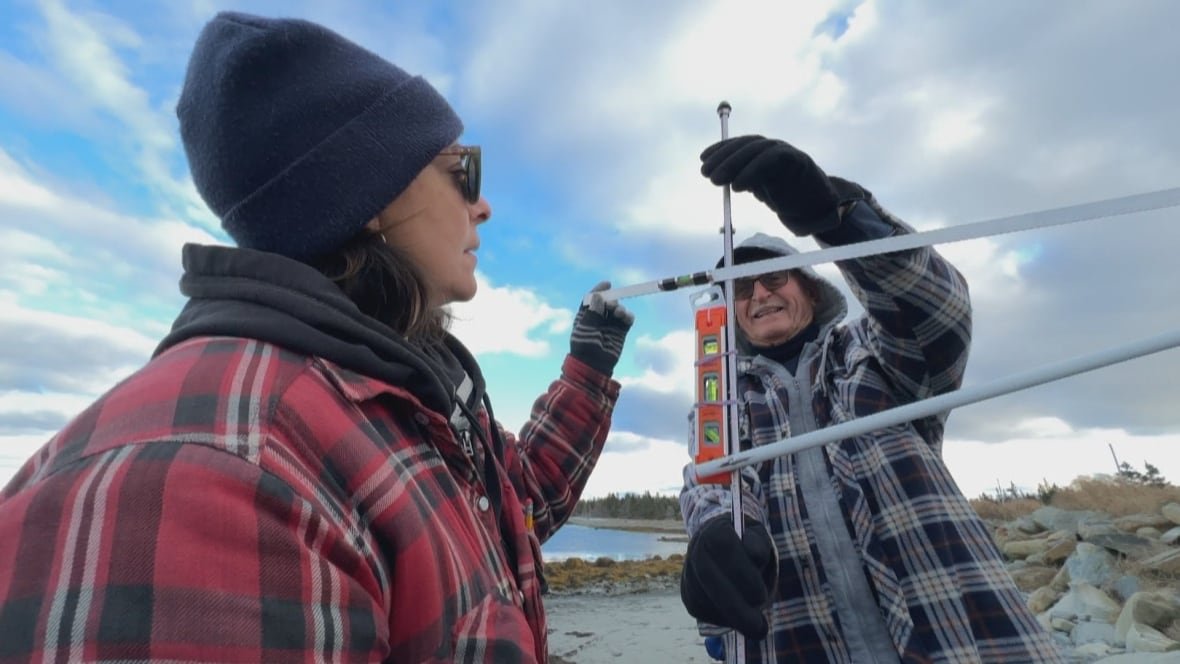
469 159
743 289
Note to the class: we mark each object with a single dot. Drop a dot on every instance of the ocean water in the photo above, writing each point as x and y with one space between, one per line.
592 543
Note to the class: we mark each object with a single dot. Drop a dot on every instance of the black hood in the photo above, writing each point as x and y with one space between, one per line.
259 295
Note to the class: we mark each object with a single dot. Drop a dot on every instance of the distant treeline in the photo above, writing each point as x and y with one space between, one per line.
630 506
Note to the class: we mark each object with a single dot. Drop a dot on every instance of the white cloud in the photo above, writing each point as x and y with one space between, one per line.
90 243
667 363
760 57
61 404
631 463
954 129
18 189
54 352
15 450
504 319
85 69
1055 455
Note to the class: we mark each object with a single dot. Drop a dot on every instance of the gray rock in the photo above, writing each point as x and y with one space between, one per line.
1171 512
1139 658
1059 551
1167 562
1042 598
1021 549
1141 638
1126 586
1027 526
1088 529
1128 545
1091 564
1154 609
1055 518
1063 623
1171 536
1133 522
1031 577
1093 652
1093 632
1084 601
1060 582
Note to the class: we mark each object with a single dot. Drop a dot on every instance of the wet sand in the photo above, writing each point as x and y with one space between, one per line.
650 627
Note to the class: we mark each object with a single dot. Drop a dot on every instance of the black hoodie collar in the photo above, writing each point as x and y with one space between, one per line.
787 352
264 296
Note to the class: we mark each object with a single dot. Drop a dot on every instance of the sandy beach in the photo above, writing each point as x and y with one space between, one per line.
640 627
592 625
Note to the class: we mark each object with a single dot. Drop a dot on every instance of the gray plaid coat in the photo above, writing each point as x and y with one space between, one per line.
936 576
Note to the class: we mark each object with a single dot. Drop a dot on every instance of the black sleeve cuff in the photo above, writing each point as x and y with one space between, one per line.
860 223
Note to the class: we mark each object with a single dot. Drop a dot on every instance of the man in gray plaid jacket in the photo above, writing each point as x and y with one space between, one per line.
863 550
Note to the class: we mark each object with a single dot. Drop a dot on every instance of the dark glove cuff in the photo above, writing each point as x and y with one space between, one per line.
848 191
598 340
801 228
595 358
843 192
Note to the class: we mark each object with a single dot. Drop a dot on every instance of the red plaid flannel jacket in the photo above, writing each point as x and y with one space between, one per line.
233 501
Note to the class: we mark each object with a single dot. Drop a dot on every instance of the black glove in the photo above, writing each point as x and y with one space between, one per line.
599 331
783 177
726 581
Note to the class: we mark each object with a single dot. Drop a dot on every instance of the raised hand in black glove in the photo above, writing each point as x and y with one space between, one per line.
600 327
783 177
725 580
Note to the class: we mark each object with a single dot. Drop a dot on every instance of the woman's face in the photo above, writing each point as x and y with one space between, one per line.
436 226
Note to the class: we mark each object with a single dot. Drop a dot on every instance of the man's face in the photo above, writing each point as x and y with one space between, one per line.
771 316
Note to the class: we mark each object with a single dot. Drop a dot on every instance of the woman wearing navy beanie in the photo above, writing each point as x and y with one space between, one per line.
309 468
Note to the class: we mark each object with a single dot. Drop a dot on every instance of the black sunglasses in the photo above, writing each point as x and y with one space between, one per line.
743 289
469 180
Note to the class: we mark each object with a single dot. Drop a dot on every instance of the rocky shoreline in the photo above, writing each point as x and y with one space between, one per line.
672 528
1107 588
606 576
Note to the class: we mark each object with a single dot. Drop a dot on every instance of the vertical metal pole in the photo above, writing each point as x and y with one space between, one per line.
731 392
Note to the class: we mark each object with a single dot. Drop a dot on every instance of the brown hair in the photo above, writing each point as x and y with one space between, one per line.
386 286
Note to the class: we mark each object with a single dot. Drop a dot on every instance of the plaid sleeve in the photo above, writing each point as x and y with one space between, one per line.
174 551
918 321
560 444
702 502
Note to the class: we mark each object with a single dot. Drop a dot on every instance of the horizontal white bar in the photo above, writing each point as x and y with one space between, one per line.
1111 207
941 403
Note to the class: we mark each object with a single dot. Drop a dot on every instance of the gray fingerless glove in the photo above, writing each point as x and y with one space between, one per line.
599 331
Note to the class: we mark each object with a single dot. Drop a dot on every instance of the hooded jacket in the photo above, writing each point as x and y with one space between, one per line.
880 556
286 480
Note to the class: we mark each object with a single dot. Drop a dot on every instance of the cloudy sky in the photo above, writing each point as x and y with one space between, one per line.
591 118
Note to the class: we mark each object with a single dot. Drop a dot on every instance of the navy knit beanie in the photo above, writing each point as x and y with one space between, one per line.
296 137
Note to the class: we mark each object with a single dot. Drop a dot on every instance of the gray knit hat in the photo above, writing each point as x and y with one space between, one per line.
296 137
830 306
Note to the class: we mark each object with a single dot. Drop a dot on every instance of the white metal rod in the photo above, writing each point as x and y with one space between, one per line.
1111 207
942 403
730 363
